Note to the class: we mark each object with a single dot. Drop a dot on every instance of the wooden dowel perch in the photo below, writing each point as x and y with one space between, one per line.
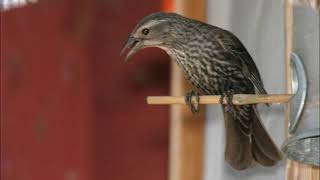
238 99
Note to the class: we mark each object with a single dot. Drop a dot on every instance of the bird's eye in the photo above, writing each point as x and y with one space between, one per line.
145 31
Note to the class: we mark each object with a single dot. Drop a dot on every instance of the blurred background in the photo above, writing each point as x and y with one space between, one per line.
71 108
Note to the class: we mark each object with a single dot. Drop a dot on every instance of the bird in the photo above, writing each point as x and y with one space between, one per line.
215 62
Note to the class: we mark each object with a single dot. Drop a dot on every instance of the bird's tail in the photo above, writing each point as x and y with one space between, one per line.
247 141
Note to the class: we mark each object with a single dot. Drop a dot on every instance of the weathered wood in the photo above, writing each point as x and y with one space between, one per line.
298 171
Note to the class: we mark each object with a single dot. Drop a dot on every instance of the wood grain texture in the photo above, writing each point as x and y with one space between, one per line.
298 171
294 170
187 130
288 50
238 99
315 4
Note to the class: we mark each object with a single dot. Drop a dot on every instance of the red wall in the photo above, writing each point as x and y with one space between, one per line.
70 107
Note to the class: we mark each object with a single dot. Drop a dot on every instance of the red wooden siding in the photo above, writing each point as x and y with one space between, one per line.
70 107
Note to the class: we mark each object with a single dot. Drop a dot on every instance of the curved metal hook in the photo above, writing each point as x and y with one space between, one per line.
299 88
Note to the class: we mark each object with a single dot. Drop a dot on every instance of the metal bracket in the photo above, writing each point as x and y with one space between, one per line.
305 146
299 88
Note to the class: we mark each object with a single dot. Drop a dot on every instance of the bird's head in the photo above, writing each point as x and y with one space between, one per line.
154 30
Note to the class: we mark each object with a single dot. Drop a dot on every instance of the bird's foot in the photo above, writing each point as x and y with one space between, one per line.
229 97
194 107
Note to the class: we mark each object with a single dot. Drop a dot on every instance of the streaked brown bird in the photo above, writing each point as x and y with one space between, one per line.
216 63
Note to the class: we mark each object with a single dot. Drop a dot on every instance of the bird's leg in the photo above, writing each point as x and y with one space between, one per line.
229 97
194 107
221 98
228 94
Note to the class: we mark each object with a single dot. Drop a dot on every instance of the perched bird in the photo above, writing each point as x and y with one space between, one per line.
215 62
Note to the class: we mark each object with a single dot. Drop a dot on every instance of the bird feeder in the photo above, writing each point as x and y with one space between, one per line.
301 98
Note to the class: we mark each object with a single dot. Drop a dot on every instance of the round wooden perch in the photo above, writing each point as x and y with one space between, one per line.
238 99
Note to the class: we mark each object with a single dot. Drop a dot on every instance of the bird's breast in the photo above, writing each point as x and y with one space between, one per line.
208 76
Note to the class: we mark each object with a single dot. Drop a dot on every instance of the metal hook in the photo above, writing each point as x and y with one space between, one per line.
305 146
299 88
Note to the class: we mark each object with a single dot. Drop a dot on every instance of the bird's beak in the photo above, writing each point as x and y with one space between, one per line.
133 44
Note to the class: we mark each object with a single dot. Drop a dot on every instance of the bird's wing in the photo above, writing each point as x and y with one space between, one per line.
233 47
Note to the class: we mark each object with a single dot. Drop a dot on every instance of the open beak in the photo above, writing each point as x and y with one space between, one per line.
133 44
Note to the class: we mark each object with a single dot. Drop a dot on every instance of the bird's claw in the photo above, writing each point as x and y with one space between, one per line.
194 107
229 97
